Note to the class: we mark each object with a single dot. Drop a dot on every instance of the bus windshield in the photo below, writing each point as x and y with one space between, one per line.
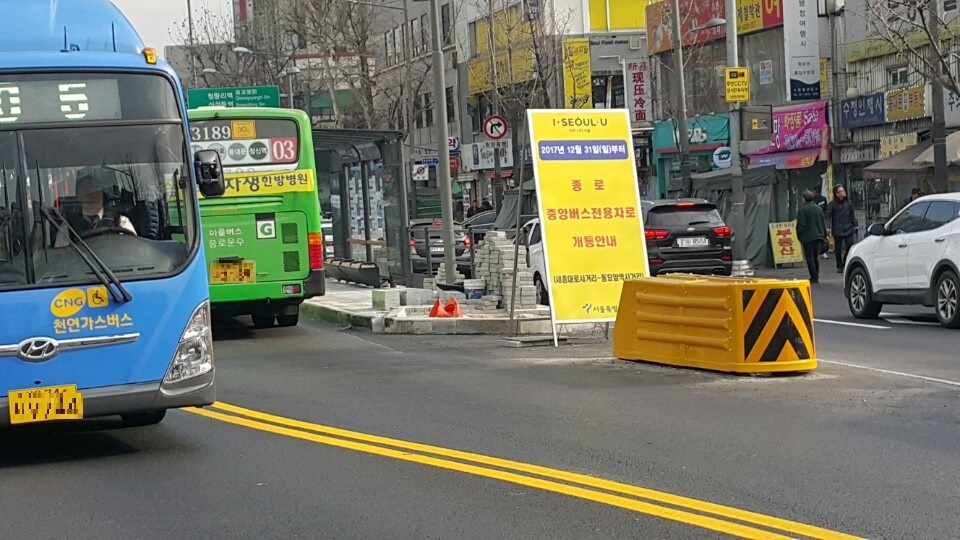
109 178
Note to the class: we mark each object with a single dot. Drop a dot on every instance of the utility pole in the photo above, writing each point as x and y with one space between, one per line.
406 176
443 151
740 262
683 143
939 122
495 91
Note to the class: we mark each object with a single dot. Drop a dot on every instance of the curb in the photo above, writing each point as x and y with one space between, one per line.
336 317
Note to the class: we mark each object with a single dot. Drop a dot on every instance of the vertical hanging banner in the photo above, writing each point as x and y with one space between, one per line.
801 46
637 91
590 214
577 74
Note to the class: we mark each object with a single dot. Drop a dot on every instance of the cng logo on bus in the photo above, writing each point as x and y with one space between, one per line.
266 227
68 303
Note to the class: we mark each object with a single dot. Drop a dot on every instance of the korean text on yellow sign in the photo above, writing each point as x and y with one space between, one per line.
577 74
786 246
589 210
737 82
248 184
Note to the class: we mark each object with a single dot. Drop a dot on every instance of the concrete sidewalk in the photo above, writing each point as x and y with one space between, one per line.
348 305
353 306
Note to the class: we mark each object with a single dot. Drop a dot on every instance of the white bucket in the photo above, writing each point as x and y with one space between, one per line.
474 288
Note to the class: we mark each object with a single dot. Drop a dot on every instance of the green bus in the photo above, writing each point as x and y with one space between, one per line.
263 237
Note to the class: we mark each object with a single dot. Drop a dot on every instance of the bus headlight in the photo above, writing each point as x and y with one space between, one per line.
194 354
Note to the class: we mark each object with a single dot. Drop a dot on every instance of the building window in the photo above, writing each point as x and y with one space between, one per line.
898 76
425 32
447 28
472 34
418 112
451 105
428 109
415 33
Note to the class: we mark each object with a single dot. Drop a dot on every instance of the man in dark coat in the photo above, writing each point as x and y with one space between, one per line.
811 233
842 224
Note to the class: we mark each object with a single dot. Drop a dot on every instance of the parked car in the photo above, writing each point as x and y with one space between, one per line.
326 226
426 246
687 235
912 259
683 235
478 224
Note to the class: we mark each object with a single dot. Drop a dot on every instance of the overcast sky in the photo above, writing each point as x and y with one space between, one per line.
154 19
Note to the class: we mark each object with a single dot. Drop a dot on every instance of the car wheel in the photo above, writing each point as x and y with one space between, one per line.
543 297
860 297
146 418
947 300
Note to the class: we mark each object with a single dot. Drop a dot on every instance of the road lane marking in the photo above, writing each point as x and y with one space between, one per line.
892 372
858 325
705 522
552 474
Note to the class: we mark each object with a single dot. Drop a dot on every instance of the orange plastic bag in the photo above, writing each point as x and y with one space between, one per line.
450 310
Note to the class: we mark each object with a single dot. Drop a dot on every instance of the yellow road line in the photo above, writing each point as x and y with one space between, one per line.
706 522
556 474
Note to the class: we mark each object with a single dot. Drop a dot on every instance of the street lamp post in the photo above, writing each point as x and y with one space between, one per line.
736 167
443 151
290 73
683 144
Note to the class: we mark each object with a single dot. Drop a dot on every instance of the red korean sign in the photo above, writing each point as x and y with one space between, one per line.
693 14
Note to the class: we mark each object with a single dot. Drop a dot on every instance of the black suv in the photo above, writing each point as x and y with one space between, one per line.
686 235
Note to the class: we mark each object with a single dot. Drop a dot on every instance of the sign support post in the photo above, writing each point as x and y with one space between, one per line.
741 266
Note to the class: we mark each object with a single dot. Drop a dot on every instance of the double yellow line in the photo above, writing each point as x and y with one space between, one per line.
715 517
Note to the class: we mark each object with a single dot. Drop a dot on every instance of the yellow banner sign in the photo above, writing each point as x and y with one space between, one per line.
590 216
892 145
737 84
786 246
250 184
577 74
907 103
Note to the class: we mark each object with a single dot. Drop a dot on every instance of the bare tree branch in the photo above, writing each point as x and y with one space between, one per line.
904 27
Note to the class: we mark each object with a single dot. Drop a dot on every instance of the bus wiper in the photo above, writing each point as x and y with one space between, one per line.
96 264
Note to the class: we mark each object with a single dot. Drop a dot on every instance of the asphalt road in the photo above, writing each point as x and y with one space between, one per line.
523 443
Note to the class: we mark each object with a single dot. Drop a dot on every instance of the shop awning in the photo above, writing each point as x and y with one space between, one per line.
796 159
953 152
900 166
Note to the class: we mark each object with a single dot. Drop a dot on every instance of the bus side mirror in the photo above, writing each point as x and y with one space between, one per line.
209 173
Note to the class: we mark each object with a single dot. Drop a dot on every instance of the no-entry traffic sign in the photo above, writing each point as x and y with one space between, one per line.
495 127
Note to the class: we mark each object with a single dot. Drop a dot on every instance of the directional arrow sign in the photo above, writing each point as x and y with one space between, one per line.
495 127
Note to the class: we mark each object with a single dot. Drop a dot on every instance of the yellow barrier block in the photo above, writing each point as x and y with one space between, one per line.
737 325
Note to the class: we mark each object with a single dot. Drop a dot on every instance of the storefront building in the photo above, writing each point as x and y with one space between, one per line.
705 136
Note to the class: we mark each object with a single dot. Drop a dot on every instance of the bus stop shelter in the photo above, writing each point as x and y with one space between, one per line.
359 178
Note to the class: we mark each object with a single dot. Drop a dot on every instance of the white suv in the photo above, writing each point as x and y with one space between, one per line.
912 259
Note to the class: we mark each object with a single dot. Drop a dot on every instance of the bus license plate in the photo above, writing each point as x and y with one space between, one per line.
44 404
232 272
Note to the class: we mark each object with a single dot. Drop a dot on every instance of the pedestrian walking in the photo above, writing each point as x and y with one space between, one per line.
842 225
821 201
915 194
812 233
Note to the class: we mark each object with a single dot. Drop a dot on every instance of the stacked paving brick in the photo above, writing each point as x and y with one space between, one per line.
442 274
526 292
493 256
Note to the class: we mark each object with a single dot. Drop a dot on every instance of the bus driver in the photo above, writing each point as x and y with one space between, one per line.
91 193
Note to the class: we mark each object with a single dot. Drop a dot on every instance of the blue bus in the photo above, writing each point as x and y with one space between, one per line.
103 287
